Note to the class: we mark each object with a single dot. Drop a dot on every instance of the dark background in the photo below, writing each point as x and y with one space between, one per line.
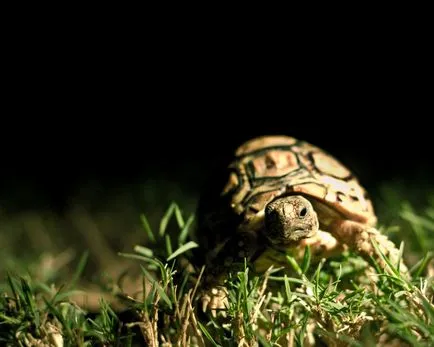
113 109
103 122
46 168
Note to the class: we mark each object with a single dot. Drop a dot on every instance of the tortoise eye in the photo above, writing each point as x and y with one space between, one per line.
303 212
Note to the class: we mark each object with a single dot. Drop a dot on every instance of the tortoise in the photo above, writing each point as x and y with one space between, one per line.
279 195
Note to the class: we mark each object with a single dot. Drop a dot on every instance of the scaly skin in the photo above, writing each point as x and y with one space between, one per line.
291 223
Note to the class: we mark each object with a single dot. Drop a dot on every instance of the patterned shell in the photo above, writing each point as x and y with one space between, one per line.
271 166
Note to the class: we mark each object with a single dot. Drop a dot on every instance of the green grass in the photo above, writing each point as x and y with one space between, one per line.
340 301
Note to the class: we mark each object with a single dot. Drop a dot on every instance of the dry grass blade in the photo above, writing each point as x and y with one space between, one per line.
182 337
239 332
195 328
148 325
150 334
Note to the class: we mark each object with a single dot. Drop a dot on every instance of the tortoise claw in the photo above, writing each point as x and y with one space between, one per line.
215 301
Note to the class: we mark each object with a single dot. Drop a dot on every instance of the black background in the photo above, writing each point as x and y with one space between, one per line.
68 124
46 167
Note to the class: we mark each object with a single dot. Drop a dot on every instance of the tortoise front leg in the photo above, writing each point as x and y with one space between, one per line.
359 237
231 258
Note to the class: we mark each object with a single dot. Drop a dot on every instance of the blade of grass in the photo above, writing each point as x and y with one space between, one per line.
400 255
420 266
301 336
14 290
179 218
149 299
79 270
294 264
317 281
184 232
413 218
147 252
207 334
184 281
288 292
386 259
289 279
44 287
160 289
401 314
428 307
263 340
338 279
60 317
9 320
168 245
306 259
141 257
418 223
29 299
244 284
166 218
147 228
182 249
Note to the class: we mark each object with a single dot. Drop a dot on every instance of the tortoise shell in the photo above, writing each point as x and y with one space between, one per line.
232 223
268 167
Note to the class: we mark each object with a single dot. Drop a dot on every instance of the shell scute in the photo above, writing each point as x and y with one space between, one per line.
274 163
271 166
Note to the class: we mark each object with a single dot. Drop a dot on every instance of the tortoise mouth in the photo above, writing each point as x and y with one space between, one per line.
289 237
299 234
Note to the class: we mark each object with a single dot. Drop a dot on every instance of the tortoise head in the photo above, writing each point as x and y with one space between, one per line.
290 219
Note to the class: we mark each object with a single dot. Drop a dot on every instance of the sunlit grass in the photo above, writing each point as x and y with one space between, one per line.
340 301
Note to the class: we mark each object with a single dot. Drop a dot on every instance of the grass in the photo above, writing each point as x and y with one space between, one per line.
342 301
